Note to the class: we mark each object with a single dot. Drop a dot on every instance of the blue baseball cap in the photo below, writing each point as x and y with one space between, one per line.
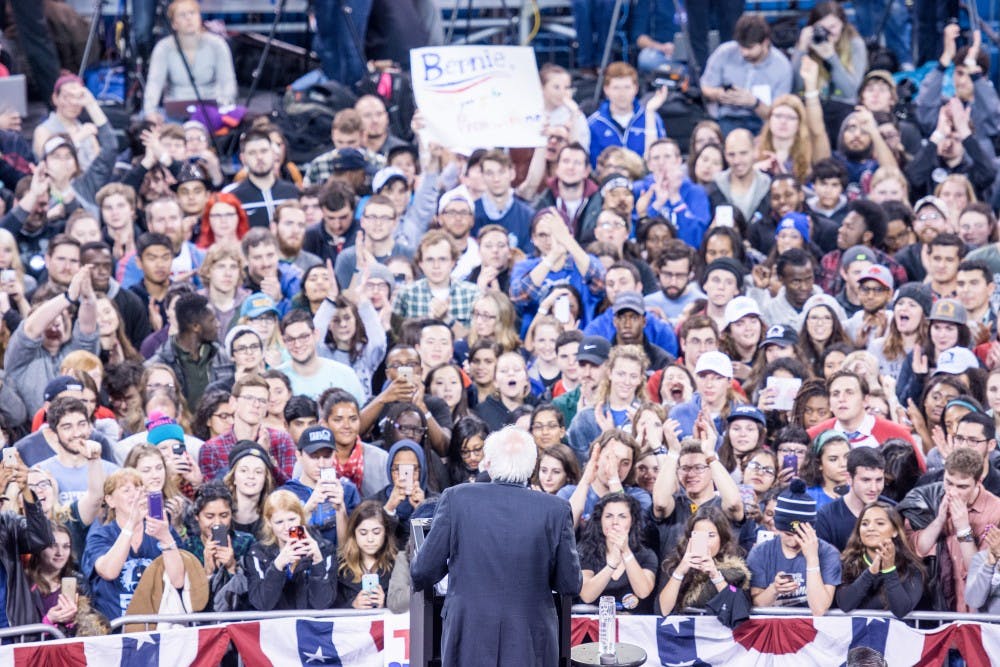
747 412
258 304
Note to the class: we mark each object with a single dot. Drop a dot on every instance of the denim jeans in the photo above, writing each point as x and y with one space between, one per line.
335 41
143 21
898 30
591 19
699 12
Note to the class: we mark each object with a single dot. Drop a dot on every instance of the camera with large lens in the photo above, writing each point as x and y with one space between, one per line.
820 34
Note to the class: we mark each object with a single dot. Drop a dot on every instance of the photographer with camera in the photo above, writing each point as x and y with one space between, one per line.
835 44
972 88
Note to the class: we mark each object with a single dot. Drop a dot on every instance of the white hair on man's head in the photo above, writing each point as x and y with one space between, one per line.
509 455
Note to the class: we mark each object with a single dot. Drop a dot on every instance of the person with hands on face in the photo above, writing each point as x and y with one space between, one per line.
74 451
879 568
668 193
797 568
559 260
613 560
366 559
947 519
119 551
700 567
610 468
327 498
289 568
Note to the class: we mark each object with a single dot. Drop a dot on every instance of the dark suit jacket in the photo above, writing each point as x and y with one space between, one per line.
505 548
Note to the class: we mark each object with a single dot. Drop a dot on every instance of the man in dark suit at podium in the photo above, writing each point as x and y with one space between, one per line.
505 548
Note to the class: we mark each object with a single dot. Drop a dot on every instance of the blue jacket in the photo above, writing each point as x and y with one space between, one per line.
526 295
324 518
606 132
690 217
657 331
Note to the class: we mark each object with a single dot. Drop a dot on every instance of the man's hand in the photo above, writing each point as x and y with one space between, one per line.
738 97
656 101
866 120
809 543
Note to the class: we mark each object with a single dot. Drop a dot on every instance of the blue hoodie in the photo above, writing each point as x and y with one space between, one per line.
405 510
323 518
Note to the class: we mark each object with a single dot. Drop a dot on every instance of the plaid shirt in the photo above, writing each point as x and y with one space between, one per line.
832 283
414 300
213 457
321 168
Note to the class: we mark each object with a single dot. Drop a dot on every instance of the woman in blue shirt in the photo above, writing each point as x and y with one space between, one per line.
119 551
618 396
825 468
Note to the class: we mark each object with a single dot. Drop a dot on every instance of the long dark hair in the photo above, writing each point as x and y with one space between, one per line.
592 545
810 351
460 410
809 389
902 469
812 472
360 337
728 546
565 456
728 456
907 563
207 406
464 429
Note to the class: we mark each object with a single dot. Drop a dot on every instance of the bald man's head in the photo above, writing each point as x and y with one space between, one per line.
739 152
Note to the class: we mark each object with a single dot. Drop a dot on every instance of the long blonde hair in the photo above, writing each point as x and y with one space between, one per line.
505 331
631 353
801 150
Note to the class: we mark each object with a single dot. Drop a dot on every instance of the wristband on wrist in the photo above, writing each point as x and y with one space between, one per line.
674 455
891 569
628 558
812 569
717 581
71 301
676 576
811 94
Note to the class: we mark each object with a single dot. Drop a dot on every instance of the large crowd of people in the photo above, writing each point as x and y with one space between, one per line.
763 355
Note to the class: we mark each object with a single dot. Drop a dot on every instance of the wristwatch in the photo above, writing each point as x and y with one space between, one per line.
711 459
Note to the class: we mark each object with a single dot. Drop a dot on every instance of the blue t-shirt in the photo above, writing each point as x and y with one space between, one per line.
768 559
113 597
819 495
72 481
620 417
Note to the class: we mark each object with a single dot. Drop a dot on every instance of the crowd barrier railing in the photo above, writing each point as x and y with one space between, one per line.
213 617
21 633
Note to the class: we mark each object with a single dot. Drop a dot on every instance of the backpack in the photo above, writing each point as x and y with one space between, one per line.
307 116
395 89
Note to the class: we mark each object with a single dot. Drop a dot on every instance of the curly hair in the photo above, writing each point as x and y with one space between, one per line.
592 544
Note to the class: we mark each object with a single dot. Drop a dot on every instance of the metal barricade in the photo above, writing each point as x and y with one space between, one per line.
214 617
23 632
920 620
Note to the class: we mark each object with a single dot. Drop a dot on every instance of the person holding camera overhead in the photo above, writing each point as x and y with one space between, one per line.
833 42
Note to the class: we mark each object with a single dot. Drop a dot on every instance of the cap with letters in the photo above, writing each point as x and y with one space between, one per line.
315 438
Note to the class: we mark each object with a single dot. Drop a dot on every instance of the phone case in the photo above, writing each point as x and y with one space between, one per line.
156 505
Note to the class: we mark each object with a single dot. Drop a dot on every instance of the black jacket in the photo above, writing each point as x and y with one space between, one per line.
20 536
312 586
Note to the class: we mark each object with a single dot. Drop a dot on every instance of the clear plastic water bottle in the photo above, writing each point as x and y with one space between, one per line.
606 628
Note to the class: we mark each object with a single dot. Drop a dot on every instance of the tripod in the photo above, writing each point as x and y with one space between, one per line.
95 22
279 11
